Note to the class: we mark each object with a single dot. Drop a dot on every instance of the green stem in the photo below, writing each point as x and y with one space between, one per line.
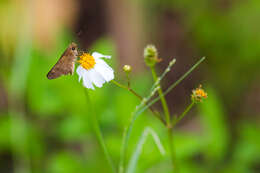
128 80
99 133
188 108
124 147
172 86
168 121
127 88
119 85
164 103
141 98
128 129
172 151
142 108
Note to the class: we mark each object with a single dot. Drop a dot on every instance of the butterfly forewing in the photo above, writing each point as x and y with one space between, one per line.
65 64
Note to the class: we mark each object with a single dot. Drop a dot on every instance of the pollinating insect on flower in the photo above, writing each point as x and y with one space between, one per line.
198 94
94 70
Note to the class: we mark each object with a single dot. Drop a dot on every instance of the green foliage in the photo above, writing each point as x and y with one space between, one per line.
46 124
214 123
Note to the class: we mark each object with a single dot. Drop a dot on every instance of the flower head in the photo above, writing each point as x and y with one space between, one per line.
198 94
94 70
151 55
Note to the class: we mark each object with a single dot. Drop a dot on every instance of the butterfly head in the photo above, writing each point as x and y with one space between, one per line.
73 49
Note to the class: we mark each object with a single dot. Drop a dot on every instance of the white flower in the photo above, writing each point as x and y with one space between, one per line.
94 70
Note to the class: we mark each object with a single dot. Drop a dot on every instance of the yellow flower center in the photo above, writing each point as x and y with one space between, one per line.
87 61
201 93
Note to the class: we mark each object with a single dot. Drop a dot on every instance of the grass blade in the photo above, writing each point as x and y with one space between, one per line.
135 157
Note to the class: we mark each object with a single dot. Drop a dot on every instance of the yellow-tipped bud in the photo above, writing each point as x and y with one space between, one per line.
151 55
198 94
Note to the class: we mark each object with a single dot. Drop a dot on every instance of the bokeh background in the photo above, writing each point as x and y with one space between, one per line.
44 125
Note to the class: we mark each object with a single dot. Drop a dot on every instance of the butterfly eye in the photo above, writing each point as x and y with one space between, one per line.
73 48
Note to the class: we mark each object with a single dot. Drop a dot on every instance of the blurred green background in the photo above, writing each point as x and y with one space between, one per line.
44 125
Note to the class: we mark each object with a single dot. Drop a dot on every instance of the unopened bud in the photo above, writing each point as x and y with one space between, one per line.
127 68
151 55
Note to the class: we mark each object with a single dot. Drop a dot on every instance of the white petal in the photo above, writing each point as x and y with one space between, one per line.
83 73
87 81
104 70
101 61
97 55
80 72
96 78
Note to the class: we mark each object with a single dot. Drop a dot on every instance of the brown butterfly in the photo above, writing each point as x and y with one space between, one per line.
65 64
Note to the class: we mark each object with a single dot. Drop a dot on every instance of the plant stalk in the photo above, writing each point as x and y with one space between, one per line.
155 113
188 108
164 103
168 122
172 150
98 132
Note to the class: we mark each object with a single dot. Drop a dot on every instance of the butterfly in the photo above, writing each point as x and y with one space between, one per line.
66 63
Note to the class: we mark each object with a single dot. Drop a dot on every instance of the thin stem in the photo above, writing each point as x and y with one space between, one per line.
128 80
141 98
124 147
119 85
172 151
188 108
172 86
133 92
168 121
127 88
99 133
164 103
142 107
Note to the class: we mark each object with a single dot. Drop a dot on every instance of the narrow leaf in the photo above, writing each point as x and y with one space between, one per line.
135 157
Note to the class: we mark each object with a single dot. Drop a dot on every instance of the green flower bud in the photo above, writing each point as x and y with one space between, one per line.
127 68
151 55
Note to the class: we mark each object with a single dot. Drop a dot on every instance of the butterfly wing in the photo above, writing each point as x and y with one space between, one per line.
62 67
65 64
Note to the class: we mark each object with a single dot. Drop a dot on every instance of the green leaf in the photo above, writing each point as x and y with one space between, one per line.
135 157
